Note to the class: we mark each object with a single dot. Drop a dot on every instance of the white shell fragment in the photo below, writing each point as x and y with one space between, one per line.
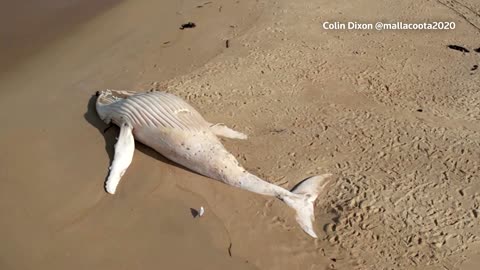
201 212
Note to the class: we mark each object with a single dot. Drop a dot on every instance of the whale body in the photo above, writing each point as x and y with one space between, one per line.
176 130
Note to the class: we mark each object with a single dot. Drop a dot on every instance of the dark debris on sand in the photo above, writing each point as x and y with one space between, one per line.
458 48
188 25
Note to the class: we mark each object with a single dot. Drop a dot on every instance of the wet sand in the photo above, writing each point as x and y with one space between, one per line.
27 26
55 212
393 114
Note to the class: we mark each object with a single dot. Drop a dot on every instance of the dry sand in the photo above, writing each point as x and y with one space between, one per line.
394 114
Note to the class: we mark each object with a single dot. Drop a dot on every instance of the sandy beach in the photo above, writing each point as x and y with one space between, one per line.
393 114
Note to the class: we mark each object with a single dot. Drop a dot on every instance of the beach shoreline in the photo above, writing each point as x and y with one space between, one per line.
392 114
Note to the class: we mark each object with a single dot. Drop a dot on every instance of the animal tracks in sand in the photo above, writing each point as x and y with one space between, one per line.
413 218
402 199
462 9
397 125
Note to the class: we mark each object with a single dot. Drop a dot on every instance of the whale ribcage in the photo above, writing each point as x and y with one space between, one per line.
158 109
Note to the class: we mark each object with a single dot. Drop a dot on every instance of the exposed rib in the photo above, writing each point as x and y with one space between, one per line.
133 112
156 113
160 112
165 104
153 116
191 119
148 118
177 105
123 113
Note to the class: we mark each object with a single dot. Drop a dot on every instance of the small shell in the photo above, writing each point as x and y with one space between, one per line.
201 212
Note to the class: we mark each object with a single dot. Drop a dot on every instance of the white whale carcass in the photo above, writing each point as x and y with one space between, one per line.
176 130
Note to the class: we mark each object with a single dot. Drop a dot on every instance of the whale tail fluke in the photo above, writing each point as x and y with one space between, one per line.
302 199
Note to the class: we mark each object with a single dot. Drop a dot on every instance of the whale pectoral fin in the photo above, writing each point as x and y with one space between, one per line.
224 131
124 149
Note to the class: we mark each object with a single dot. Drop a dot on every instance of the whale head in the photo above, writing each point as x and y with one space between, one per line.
108 97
